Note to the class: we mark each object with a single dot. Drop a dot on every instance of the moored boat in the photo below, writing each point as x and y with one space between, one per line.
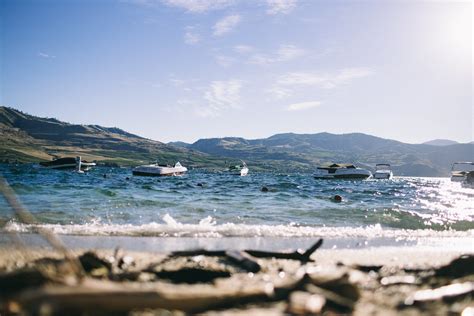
159 170
68 163
383 171
341 171
239 170
459 170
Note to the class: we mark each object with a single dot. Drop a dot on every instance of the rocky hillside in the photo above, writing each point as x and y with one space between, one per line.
27 138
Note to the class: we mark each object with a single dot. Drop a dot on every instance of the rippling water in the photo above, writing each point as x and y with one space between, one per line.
217 204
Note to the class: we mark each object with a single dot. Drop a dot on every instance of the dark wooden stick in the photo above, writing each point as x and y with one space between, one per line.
303 256
295 255
243 260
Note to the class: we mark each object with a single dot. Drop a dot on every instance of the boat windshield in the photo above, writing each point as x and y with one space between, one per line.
463 167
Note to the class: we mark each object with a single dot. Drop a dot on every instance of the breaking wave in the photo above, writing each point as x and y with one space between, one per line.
208 227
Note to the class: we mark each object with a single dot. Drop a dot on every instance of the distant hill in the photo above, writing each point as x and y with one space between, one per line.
441 142
303 152
28 138
179 144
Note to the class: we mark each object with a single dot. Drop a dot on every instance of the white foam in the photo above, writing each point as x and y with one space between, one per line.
208 227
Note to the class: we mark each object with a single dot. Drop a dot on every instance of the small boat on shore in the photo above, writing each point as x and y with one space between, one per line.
68 163
239 170
154 170
383 171
341 171
460 169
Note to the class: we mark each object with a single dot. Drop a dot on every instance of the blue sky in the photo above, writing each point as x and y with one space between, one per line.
183 70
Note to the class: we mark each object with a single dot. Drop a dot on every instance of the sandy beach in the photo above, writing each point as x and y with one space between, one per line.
384 280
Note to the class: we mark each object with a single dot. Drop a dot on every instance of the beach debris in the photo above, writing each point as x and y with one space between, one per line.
333 299
13 282
367 268
198 252
243 260
449 293
301 255
192 275
94 265
399 279
468 311
108 297
457 268
200 283
304 303
337 281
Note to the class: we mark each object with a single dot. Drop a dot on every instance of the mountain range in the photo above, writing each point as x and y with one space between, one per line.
27 138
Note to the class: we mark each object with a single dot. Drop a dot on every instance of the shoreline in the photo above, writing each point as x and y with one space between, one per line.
428 252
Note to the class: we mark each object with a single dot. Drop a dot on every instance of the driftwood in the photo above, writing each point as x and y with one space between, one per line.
303 256
243 260
105 296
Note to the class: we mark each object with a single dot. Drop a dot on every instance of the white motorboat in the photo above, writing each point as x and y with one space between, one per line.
159 170
459 170
68 163
341 171
239 170
383 171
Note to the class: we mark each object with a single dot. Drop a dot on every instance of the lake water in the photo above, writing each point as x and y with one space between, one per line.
216 205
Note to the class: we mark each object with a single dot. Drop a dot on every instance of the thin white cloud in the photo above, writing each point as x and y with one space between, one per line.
225 61
284 53
243 49
191 37
44 55
177 82
226 24
326 81
280 6
198 6
303 106
279 93
220 96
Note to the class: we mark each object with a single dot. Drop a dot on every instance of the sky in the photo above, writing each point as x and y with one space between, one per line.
183 70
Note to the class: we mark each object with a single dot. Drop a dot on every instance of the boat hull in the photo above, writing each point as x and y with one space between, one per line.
458 178
383 175
158 171
153 174
342 173
66 164
342 177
